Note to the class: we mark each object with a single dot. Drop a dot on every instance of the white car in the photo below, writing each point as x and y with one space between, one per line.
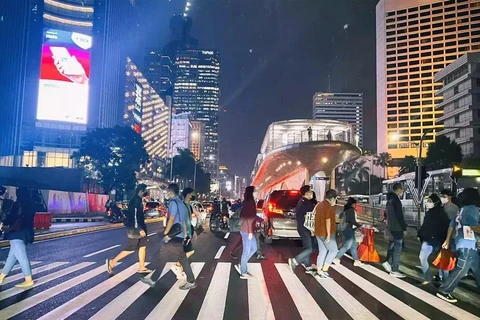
199 214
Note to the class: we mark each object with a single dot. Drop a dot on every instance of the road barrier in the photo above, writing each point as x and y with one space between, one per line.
366 250
42 220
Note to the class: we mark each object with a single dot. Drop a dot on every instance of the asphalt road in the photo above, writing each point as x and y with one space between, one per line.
71 283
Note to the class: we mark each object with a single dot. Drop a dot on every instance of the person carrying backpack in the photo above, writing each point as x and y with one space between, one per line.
348 226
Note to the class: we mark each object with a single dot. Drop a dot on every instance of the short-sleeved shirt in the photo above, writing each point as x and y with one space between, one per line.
323 212
468 216
451 209
177 209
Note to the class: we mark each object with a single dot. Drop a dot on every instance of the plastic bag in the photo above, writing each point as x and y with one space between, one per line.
445 260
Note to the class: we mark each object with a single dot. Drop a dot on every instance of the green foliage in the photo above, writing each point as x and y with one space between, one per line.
443 153
113 156
353 172
184 169
407 164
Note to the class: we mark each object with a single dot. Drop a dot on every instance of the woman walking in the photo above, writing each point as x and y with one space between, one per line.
349 225
18 229
248 217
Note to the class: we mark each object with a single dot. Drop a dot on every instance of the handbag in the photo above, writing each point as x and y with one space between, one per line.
175 230
134 232
310 220
359 236
342 224
446 260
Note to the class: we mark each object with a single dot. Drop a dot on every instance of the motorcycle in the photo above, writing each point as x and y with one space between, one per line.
219 222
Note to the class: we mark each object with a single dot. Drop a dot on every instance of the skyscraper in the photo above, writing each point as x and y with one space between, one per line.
345 107
416 39
197 91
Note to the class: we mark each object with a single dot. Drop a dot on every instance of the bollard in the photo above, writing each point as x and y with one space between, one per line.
366 250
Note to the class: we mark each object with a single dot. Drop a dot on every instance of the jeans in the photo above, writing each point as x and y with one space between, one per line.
239 246
425 251
327 251
18 251
395 248
175 245
466 259
249 248
307 242
349 243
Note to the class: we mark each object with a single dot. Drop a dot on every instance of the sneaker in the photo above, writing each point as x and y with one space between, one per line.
188 286
387 267
246 276
25 285
447 297
322 274
357 263
292 264
260 257
178 271
233 256
336 261
237 267
397 274
437 278
148 281
310 270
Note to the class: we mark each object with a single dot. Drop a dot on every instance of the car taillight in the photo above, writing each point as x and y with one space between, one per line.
274 209
293 192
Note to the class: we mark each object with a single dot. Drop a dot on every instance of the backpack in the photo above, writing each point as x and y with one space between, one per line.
342 225
234 221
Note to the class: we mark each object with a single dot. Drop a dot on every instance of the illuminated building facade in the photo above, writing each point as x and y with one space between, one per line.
146 112
344 107
71 15
180 133
415 40
197 139
197 91
461 103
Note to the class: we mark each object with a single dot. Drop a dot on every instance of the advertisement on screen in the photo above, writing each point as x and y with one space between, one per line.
64 77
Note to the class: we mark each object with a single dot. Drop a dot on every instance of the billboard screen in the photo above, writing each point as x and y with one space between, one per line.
64 77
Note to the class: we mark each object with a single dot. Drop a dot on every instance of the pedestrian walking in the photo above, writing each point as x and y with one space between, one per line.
248 218
304 205
396 228
432 235
177 236
18 230
325 231
136 232
348 226
450 208
466 228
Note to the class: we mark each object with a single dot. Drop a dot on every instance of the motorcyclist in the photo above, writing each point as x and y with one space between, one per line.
117 212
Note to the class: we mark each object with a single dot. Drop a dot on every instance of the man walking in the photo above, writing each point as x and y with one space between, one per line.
176 235
325 231
396 228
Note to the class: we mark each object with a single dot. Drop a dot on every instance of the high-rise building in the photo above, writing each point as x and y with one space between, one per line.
416 39
180 133
461 103
198 139
159 70
345 107
75 16
197 91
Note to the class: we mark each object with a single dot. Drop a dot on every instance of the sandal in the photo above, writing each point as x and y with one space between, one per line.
144 271
109 266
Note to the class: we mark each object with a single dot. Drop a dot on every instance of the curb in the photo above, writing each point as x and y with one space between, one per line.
48 236
59 220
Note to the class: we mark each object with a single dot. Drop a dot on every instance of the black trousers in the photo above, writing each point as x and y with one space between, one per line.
176 245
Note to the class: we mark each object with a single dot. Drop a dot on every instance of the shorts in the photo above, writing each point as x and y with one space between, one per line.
134 244
188 247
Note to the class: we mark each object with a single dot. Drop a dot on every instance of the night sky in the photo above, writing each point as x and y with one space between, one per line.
275 54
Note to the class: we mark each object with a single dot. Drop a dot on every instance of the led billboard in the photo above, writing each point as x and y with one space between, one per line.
64 77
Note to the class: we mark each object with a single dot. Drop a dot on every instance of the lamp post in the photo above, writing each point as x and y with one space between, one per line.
194 173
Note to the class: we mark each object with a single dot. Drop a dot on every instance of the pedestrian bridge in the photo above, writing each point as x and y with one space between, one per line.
298 152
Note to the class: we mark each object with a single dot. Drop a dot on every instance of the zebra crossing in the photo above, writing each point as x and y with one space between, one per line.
83 290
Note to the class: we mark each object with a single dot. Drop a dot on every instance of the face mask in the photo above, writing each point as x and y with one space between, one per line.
444 200
192 198
430 205
145 194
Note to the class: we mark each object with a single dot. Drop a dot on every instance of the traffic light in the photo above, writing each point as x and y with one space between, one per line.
457 171
422 172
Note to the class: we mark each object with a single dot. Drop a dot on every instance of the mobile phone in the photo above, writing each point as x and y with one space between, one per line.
60 53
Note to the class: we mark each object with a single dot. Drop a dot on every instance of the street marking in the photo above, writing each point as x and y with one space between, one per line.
219 252
34 271
354 308
432 300
88 296
151 234
32 301
170 303
100 251
13 291
116 307
226 235
213 306
306 305
32 263
259 305
383 297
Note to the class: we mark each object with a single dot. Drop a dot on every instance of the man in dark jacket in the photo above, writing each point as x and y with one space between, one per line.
303 206
135 219
396 228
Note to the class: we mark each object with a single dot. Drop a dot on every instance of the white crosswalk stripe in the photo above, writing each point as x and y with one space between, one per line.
214 297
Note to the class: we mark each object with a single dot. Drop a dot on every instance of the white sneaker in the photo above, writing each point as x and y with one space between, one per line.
397 274
387 267
178 272
237 267
357 263
336 261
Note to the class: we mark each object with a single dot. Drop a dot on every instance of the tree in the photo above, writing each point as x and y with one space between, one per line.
113 156
383 160
443 153
407 164
353 173
184 164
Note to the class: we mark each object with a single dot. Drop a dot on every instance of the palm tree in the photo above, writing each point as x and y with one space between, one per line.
383 160
353 173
